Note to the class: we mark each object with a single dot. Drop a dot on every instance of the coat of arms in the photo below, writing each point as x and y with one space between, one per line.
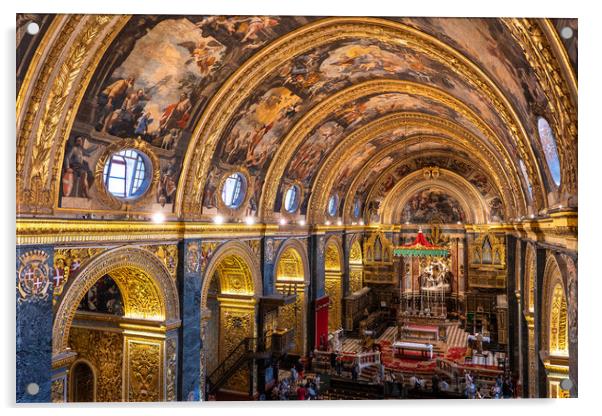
33 276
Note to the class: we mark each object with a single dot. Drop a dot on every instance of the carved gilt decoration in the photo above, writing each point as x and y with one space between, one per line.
33 276
144 370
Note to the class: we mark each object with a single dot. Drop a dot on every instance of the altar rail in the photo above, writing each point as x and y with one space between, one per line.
455 372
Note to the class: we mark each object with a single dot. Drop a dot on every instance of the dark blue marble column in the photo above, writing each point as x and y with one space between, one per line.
316 290
34 267
189 279
267 265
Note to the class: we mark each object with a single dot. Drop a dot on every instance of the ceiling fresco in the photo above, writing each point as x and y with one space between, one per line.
157 82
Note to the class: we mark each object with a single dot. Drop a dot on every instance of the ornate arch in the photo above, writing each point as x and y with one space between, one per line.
333 254
250 284
555 322
501 188
148 289
470 200
217 114
301 251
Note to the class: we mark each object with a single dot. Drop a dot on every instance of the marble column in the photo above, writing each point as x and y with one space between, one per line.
34 285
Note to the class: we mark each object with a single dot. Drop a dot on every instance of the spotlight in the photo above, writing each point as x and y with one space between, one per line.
250 220
218 219
532 215
302 223
459 222
339 222
158 218
327 222
282 221
407 222
361 222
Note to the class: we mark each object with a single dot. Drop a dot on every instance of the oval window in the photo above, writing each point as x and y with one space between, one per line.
357 208
127 174
333 204
234 190
548 142
523 169
291 198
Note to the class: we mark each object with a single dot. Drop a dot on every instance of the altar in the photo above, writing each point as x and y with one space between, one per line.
400 347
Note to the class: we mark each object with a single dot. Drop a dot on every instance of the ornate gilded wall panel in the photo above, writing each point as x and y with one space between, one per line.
355 278
143 370
67 263
59 390
104 350
237 322
334 292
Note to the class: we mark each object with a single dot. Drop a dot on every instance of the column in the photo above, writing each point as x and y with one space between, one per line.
189 281
34 324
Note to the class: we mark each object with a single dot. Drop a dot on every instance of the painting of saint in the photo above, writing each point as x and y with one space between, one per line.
78 177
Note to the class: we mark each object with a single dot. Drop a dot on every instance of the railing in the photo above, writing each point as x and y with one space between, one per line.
283 341
363 360
455 372
231 363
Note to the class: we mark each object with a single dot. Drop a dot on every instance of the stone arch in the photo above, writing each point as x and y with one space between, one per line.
292 275
148 289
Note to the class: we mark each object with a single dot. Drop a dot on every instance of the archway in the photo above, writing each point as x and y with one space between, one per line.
82 382
229 296
121 315
555 351
333 282
292 277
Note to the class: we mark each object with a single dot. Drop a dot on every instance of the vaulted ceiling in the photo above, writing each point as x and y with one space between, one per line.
392 116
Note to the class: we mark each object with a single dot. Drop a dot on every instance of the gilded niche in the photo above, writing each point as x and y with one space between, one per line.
144 371
140 294
104 350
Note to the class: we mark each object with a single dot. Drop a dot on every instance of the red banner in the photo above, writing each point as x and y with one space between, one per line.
321 340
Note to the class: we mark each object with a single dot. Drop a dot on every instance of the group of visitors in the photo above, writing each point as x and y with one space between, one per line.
503 388
298 386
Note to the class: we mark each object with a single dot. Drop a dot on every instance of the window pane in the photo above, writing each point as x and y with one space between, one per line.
548 142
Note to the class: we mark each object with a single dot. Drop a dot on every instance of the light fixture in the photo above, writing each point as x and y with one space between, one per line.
158 217
302 223
361 222
407 222
327 222
218 219
249 220
282 221
532 215
339 222
459 222
560 206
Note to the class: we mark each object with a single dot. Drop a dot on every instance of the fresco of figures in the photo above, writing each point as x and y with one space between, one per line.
379 181
103 297
265 118
428 205
485 42
164 69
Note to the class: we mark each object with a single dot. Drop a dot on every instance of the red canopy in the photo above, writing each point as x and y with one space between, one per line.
420 241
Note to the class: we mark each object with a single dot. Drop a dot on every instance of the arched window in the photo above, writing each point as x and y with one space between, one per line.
487 257
126 174
548 142
234 190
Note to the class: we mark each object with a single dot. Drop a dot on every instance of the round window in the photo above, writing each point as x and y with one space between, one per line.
127 174
291 198
234 190
357 208
333 204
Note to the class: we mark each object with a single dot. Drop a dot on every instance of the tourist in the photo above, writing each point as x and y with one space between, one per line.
354 372
444 385
301 392
435 383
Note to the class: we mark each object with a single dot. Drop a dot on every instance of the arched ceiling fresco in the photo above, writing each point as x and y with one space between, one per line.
344 106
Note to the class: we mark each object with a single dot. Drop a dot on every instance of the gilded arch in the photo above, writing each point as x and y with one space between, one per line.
292 276
147 286
470 200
